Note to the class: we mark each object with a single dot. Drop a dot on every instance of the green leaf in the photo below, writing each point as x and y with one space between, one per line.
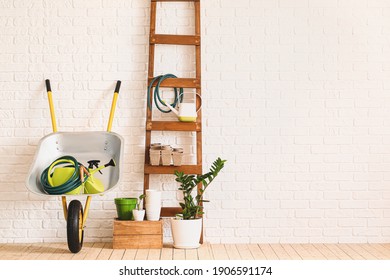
190 206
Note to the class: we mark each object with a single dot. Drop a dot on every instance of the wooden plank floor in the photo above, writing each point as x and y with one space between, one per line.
104 251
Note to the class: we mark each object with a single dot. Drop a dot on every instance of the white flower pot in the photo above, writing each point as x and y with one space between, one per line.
153 197
186 233
138 215
153 205
152 215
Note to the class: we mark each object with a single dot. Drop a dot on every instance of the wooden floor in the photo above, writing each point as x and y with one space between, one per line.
104 251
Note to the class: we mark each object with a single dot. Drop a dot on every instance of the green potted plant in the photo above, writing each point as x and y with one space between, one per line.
139 213
187 226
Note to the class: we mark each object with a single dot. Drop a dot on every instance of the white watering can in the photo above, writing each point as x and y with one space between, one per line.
187 110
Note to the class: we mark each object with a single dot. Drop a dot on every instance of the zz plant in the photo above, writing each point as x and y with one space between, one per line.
192 207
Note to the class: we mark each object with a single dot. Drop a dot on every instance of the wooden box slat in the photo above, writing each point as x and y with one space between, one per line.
134 227
138 235
145 241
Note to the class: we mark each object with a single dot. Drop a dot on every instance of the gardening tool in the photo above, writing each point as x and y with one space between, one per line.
187 110
73 178
59 179
156 96
105 145
93 185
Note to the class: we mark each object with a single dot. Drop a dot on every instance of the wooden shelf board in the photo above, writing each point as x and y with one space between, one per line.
170 211
178 82
188 169
172 126
166 39
175 0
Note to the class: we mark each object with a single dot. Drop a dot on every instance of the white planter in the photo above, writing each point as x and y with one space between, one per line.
186 233
153 205
138 215
153 197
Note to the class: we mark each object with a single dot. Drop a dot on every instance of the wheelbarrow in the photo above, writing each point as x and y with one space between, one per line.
91 147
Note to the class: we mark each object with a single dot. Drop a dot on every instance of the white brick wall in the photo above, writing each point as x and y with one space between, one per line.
296 97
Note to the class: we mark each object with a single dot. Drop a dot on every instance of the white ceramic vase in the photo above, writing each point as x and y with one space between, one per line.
153 205
186 233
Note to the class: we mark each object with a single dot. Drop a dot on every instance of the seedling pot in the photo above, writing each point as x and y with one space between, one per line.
177 156
154 157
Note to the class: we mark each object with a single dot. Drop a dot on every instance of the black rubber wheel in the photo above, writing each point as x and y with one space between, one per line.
75 232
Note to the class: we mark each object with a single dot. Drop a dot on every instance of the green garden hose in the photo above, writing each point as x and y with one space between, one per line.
157 99
71 184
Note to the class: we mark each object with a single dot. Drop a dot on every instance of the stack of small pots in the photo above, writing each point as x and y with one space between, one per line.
165 155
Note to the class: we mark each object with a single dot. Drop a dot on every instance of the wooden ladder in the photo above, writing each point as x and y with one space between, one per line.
151 125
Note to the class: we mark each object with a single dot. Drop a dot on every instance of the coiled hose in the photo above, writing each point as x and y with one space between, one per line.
73 182
157 99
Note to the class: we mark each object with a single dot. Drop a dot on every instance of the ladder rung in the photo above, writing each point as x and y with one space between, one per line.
178 83
175 39
172 126
170 211
188 169
175 0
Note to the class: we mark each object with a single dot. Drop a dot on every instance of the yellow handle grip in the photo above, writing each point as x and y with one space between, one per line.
52 112
113 106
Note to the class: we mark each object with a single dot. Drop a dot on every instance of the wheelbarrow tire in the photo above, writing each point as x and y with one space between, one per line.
75 233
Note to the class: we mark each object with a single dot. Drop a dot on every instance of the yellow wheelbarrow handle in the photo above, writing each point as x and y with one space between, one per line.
51 105
113 105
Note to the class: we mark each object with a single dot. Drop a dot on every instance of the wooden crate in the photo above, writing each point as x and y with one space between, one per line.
138 235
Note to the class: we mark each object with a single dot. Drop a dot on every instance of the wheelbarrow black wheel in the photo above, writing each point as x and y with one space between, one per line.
75 231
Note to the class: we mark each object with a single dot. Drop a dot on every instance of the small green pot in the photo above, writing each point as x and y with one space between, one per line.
124 207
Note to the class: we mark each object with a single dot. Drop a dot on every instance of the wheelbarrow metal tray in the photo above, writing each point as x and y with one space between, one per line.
84 146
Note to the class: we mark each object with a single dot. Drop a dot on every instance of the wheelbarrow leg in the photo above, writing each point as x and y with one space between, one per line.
65 207
76 218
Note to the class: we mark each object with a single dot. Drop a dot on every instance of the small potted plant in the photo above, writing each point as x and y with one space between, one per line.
187 226
139 213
